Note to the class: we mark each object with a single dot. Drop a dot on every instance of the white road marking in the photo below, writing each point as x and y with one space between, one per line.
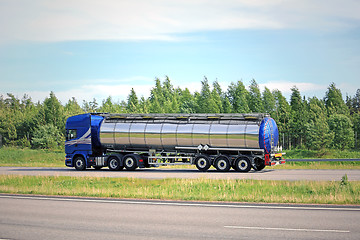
289 229
176 203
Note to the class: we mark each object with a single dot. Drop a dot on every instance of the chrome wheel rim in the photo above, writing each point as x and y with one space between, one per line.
113 163
129 162
202 163
79 163
243 164
222 164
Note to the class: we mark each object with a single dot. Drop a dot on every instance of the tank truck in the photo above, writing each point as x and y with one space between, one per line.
239 141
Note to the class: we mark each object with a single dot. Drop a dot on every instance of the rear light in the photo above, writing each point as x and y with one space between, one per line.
267 160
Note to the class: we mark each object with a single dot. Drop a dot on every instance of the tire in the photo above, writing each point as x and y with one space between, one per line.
130 162
114 163
242 164
79 163
260 164
202 163
222 163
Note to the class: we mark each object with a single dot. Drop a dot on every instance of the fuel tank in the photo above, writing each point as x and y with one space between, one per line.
166 132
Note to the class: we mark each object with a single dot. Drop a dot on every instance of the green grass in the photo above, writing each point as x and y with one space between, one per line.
309 192
318 165
326 153
322 154
11 156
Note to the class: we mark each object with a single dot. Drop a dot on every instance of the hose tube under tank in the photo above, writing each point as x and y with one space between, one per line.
268 135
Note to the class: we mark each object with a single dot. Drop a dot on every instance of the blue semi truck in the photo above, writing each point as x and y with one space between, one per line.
239 141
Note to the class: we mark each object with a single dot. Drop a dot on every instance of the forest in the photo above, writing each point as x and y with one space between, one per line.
331 122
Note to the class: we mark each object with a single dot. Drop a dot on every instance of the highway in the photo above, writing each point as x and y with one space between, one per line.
161 173
33 217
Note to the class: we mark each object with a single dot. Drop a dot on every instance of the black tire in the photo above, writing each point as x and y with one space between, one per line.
79 163
202 163
130 162
242 164
260 164
114 163
222 163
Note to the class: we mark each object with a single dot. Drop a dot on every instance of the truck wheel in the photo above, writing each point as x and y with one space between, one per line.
202 163
260 164
130 162
114 163
222 163
242 164
80 163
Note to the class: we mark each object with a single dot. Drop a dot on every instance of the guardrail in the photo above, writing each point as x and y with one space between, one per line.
324 160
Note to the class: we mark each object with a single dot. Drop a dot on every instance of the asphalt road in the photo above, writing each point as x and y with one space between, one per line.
26 217
161 173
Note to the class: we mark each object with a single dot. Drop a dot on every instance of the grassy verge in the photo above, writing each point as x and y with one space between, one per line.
11 156
318 165
322 154
326 153
335 192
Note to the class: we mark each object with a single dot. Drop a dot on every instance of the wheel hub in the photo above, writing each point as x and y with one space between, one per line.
202 163
243 164
113 163
129 162
222 164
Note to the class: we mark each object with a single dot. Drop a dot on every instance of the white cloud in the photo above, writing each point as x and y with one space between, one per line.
99 89
41 20
285 87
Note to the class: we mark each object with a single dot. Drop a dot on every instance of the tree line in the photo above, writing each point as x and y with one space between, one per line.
310 123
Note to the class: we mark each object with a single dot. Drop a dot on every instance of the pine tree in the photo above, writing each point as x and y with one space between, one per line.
334 101
254 98
54 112
298 117
268 101
72 108
218 96
282 112
317 133
237 95
91 106
206 103
343 131
132 102
356 124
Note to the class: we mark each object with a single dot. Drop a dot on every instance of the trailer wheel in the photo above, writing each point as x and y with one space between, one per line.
259 163
80 163
114 163
222 163
242 164
130 162
202 163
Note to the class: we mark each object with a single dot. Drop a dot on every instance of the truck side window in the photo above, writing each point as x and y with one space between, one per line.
71 134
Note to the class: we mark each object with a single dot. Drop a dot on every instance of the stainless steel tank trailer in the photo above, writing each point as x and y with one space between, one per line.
240 141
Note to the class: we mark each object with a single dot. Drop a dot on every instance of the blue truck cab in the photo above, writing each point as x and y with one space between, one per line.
82 143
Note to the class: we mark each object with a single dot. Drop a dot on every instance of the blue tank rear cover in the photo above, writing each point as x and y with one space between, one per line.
268 134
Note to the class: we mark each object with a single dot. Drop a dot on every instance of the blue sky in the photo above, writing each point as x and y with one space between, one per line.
94 49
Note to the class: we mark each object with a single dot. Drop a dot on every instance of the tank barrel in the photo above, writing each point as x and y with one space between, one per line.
171 131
